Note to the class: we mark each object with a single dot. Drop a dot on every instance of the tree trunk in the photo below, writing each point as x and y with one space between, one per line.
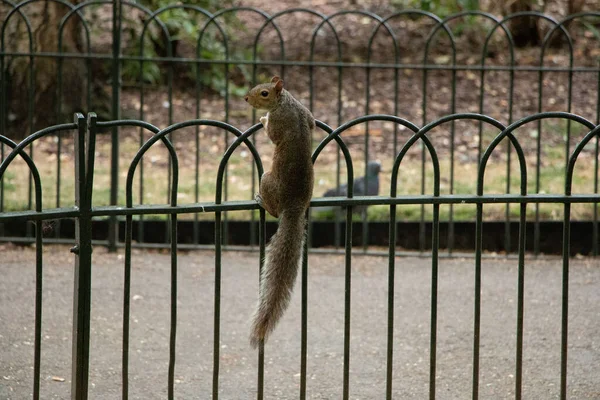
524 30
32 101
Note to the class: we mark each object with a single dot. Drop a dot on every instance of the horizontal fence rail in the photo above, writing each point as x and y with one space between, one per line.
86 155
411 63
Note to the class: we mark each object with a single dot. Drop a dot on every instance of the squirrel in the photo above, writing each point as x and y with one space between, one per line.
285 192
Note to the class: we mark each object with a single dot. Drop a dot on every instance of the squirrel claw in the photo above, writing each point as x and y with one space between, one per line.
259 200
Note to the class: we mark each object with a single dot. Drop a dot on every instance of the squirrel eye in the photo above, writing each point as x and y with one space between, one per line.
264 93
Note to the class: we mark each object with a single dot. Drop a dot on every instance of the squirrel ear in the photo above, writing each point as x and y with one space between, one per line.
279 86
275 79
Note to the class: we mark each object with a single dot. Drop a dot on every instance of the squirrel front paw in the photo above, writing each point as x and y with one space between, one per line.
264 120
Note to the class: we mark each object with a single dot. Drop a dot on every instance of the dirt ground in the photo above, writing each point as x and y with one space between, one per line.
149 336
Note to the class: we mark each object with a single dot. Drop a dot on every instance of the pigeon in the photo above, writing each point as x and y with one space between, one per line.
373 169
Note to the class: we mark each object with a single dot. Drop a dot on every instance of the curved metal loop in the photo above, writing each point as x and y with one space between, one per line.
4 23
507 33
78 7
508 132
30 139
544 43
573 159
313 39
561 25
405 13
373 16
37 182
17 8
138 156
140 153
335 135
227 11
171 129
76 11
343 147
241 137
160 135
448 31
153 16
411 141
271 20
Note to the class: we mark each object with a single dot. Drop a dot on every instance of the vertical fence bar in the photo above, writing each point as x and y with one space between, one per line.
304 316
347 298
595 236
538 163
30 107
435 244
173 330
126 307
261 350
171 138
3 115
520 300
477 305
113 232
391 285
83 264
217 309
565 300
39 276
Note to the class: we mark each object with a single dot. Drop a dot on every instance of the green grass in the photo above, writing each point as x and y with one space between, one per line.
239 182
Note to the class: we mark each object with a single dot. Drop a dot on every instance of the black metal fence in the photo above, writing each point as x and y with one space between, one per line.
86 153
525 147
351 63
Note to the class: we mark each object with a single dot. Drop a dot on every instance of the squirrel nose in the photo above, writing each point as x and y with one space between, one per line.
246 98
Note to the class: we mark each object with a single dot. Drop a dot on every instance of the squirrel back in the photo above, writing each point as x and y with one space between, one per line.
285 192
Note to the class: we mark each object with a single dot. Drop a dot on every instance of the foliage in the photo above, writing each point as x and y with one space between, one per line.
184 27
441 8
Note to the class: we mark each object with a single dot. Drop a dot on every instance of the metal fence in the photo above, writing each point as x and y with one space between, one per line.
434 87
86 154
411 63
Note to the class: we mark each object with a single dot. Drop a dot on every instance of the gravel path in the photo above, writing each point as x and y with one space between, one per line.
150 328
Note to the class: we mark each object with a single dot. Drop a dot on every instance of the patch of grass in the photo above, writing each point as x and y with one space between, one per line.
239 180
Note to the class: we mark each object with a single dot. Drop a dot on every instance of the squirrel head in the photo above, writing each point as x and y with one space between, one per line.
265 96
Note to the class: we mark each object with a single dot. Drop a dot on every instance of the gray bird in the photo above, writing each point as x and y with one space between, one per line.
373 169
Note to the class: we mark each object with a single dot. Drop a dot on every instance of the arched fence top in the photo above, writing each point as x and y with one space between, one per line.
381 22
161 135
154 16
32 138
271 21
37 182
18 150
335 135
423 134
376 18
595 132
443 24
407 13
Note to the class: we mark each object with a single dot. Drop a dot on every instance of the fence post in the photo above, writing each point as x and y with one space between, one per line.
83 261
113 232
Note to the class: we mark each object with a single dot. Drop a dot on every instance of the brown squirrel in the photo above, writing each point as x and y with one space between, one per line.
285 191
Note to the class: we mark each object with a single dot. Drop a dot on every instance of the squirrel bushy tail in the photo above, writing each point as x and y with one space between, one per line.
283 256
